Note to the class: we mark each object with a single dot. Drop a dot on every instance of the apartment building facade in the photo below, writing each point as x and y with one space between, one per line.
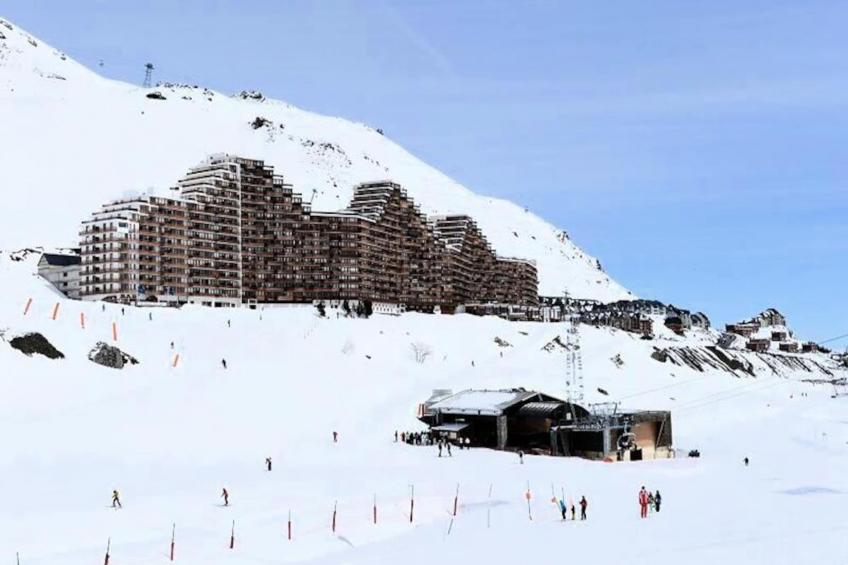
239 235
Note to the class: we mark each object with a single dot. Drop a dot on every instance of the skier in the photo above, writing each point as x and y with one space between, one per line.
643 502
583 505
228 324
440 448
573 512
651 502
150 316
563 509
226 496
468 443
447 443
521 457
122 311
172 345
116 499
657 501
224 363
268 463
746 461
396 436
335 437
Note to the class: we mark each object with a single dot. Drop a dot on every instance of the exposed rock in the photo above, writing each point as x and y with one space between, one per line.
156 95
259 122
35 343
659 355
251 95
502 342
617 360
110 356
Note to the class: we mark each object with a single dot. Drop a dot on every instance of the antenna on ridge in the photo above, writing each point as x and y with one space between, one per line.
148 75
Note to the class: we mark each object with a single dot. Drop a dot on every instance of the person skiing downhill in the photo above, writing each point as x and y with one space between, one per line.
521 457
268 463
657 501
224 363
226 496
335 437
746 461
643 502
583 504
116 500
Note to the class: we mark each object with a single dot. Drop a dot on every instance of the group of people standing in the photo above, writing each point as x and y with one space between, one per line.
564 508
649 502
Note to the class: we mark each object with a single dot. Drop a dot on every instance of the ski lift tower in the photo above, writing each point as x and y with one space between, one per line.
148 75
574 354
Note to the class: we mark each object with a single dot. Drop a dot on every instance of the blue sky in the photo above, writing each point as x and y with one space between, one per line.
697 148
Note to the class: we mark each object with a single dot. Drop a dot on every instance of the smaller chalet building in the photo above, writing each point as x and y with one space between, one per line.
62 270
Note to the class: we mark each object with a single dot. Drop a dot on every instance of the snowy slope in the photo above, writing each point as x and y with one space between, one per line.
73 140
169 438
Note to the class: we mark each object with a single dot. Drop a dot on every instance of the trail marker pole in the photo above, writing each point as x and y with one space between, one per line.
114 331
176 361
82 320
233 536
411 502
528 496
108 548
18 558
290 526
375 508
489 508
450 526
173 535
335 512
55 311
456 500
26 308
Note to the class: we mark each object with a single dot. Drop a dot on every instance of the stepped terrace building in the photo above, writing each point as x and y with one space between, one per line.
239 235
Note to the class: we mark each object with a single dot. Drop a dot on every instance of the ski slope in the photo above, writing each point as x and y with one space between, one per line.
73 140
170 438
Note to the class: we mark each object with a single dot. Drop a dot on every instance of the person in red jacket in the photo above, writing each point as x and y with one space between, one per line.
643 502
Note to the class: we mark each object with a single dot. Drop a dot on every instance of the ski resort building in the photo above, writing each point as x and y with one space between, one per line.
518 419
62 270
239 235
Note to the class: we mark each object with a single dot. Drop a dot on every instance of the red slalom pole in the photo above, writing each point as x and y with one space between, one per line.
55 311
108 547
82 320
290 526
233 536
375 508
173 534
456 499
26 308
335 511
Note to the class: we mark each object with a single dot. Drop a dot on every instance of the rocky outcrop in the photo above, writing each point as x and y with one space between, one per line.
35 343
110 356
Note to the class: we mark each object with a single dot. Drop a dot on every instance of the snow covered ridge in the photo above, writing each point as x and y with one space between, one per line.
76 140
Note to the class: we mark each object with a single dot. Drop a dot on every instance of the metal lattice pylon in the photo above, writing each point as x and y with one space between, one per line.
574 361
148 75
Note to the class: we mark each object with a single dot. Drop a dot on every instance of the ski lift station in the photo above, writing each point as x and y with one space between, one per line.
518 419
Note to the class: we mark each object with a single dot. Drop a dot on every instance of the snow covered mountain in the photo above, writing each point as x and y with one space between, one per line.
72 140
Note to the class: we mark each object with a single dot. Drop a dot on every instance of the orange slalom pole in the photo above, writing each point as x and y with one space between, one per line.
114 331
176 360
26 308
55 311
375 509
82 320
